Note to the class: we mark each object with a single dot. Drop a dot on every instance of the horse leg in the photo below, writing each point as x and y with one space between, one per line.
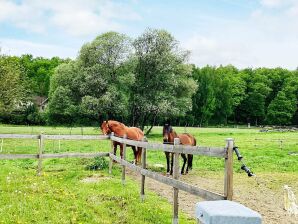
168 162
139 155
135 153
121 151
184 162
189 162
115 149
172 162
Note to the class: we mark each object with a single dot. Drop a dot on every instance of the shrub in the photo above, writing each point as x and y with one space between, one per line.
99 163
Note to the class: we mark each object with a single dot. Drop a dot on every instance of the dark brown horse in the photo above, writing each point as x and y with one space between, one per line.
120 130
185 139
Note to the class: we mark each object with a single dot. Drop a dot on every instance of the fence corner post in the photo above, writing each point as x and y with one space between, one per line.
124 158
143 167
40 151
175 176
111 152
228 183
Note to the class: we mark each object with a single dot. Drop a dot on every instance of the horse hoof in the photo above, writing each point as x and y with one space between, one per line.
168 174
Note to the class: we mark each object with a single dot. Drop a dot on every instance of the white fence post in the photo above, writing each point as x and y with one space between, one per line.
111 152
40 151
228 185
124 157
176 176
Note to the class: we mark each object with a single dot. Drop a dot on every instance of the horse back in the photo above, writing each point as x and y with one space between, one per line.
135 133
187 139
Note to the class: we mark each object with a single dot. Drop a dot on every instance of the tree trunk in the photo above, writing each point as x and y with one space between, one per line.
152 125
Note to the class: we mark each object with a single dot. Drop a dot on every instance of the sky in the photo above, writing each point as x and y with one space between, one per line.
244 33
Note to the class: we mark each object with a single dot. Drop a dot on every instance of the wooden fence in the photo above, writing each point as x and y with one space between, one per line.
41 140
219 152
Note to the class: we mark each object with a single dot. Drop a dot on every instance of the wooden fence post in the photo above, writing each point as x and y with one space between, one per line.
143 176
175 176
112 152
1 149
280 145
228 185
124 157
40 151
59 144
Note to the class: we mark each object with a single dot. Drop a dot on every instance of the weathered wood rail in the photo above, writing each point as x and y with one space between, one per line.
219 152
41 155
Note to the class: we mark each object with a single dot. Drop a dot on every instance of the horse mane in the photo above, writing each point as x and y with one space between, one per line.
115 122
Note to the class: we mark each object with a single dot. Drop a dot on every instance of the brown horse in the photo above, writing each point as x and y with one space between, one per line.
185 139
120 130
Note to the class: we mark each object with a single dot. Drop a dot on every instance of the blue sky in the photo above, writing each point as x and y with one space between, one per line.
245 33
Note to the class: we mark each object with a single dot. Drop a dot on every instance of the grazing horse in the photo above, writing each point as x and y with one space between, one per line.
185 139
120 130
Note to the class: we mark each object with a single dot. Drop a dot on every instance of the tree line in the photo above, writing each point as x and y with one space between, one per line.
143 82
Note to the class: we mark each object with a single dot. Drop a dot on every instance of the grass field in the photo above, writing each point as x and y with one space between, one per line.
60 196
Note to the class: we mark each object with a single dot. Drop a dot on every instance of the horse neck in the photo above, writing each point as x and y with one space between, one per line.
173 135
117 127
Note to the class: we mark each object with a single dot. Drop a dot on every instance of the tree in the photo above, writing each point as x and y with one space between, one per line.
12 86
163 80
204 100
257 91
64 94
97 83
282 108
39 71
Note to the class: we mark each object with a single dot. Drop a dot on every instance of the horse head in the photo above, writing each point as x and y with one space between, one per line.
105 128
167 133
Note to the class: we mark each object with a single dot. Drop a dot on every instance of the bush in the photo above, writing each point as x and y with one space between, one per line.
99 163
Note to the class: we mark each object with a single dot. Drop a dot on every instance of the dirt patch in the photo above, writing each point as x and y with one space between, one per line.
264 195
95 178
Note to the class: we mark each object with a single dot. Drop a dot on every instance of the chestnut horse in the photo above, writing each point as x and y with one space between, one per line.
120 130
185 139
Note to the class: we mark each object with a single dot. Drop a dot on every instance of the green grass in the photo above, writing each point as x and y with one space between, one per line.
59 196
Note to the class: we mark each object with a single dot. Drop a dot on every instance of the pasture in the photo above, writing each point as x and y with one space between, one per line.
60 195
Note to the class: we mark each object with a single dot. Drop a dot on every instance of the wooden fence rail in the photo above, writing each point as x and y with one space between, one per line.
221 152
185 149
41 155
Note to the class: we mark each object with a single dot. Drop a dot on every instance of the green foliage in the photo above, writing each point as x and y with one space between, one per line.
12 84
283 107
39 71
99 163
164 84
143 81
96 84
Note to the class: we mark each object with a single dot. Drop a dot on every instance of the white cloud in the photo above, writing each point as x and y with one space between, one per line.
268 38
216 51
19 47
272 3
78 18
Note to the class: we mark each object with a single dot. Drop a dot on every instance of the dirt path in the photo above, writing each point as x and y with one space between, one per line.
265 197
